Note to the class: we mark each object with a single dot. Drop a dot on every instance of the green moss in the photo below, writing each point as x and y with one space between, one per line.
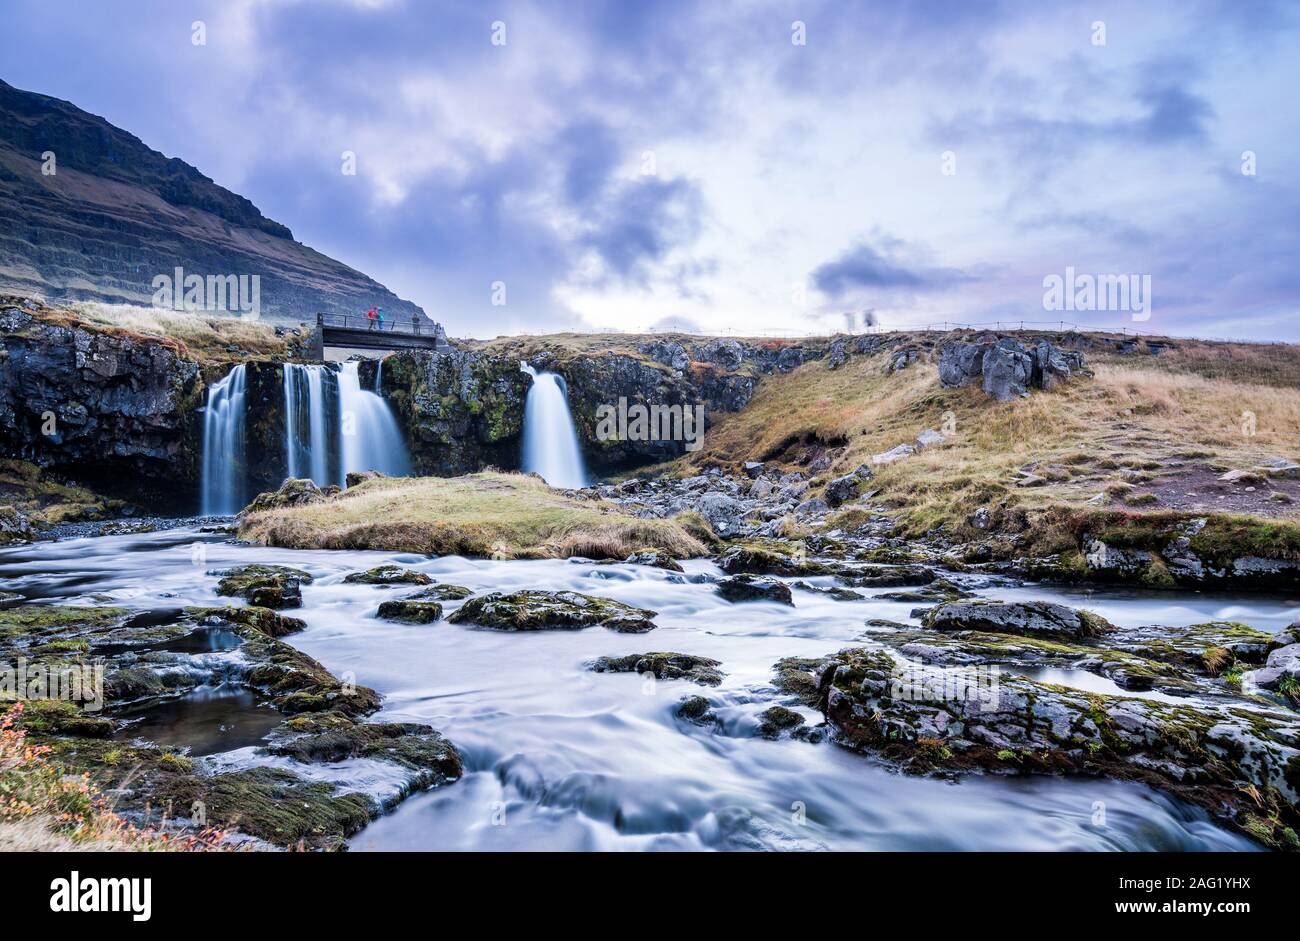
60 717
275 805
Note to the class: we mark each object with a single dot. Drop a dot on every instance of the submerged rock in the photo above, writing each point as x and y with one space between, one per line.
664 666
1025 618
755 588
531 610
388 575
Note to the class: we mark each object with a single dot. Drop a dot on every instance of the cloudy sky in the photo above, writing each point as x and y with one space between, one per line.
629 164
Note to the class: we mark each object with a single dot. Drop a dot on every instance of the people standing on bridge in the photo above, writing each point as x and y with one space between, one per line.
373 316
381 318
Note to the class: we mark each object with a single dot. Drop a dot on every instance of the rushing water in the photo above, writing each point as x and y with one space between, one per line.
223 445
558 757
305 415
369 434
332 425
550 440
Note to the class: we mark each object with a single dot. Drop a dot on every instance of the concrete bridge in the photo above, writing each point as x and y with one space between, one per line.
357 332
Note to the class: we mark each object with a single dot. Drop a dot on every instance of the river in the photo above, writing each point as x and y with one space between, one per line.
558 757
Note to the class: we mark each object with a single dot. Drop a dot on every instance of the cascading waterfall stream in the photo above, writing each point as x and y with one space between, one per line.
550 440
223 445
369 434
305 408
333 426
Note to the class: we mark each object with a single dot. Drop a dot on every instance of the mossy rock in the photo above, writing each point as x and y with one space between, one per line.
442 593
1041 619
295 491
61 717
777 719
696 709
275 805
331 737
751 559
664 666
35 619
410 611
656 559
739 588
388 575
1209 649
531 610
263 620
838 592
1238 763
797 676
265 586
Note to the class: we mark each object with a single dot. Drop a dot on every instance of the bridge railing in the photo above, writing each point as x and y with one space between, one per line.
415 326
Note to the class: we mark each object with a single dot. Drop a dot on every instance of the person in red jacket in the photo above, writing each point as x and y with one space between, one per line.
373 316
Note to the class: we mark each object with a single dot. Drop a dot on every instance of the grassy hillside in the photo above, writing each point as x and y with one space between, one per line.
1147 433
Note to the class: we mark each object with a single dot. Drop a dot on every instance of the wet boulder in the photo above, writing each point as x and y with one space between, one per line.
664 666
755 588
388 575
695 709
1238 764
442 593
777 719
1041 619
532 610
410 611
264 620
655 558
769 559
265 586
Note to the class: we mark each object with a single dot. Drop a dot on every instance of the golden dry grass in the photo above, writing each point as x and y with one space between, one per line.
1133 418
488 514
202 335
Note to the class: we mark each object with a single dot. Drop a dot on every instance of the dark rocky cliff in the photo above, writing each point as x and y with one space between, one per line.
114 411
115 214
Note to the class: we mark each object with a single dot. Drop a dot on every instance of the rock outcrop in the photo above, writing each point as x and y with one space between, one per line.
1004 368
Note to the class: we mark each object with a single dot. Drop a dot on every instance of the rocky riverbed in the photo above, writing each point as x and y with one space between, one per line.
852 701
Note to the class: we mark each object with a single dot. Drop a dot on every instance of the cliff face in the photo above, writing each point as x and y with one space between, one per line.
115 214
463 409
116 412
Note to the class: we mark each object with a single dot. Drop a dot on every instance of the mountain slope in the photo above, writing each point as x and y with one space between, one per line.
116 214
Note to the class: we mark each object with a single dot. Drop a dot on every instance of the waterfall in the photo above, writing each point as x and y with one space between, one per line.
379 376
550 441
223 445
369 434
305 422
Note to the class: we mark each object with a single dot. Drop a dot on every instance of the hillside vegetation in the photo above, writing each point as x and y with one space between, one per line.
1147 433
